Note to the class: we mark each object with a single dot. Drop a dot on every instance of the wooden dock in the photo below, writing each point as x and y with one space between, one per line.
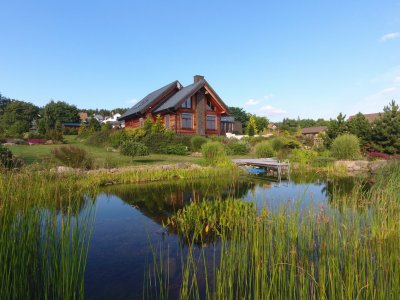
269 164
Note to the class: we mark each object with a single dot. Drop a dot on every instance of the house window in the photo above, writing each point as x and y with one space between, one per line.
141 122
187 121
210 106
166 121
211 122
187 103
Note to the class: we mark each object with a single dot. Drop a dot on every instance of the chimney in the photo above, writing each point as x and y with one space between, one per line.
197 78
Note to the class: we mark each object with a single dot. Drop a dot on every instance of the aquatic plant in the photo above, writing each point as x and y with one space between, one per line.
44 237
350 251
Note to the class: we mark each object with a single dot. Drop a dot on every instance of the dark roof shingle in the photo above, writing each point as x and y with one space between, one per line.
147 101
181 95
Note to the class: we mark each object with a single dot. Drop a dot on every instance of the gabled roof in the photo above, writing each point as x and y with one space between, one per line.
313 130
181 96
171 102
370 117
177 99
150 99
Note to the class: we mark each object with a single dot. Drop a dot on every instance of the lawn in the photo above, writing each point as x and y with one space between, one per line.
103 158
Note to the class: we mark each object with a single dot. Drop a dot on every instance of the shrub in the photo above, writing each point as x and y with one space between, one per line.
264 149
73 157
157 142
176 149
99 138
117 138
130 148
346 146
7 160
180 139
214 153
302 157
197 142
239 148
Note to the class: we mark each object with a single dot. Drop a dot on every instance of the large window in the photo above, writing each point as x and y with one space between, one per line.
186 121
187 103
211 122
210 106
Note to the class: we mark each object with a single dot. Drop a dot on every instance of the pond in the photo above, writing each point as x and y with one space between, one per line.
129 222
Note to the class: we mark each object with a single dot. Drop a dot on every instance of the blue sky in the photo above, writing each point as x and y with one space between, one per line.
276 58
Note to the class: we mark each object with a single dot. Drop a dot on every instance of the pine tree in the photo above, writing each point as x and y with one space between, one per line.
251 126
386 130
158 126
359 126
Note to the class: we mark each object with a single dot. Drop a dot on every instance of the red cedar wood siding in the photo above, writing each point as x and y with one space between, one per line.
175 118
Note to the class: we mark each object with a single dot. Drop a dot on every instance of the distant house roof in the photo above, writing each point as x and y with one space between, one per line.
71 124
171 96
150 99
370 117
313 130
83 116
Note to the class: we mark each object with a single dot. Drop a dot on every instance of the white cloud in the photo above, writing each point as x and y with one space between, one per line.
396 79
388 90
251 102
390 36
269 110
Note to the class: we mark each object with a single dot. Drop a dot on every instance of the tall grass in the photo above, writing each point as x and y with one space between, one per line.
350 250
44 236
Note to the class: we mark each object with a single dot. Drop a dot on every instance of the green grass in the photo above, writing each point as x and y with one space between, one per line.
103 157
348 251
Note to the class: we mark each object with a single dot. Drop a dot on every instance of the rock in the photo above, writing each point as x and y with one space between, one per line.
374 166
360 166
16 141
9 144
195 154
49 142
63 169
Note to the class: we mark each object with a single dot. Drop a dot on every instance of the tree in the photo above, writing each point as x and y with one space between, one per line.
359 126
335 128
251 126
94 125
386 130
17 117
261 123
59 111
158 126
240 115
148 126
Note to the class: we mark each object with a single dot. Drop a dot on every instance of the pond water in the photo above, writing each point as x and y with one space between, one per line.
129 219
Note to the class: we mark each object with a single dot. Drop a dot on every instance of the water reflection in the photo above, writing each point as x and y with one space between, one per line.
129 219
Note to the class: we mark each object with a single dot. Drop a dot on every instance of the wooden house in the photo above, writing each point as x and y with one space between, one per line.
194 110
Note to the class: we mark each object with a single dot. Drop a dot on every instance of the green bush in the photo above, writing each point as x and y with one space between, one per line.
130 148
302 157
176 149
8 160
99 138
197 142
72 156
346 146
264 150
157 142
239 148
117 138
214 153
180 139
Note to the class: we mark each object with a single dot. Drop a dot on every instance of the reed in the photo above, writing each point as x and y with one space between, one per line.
348 251
44 237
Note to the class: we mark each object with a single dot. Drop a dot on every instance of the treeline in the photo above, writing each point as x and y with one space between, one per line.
381 135
18 117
